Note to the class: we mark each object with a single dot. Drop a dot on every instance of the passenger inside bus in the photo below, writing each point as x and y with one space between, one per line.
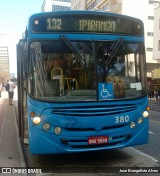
111 71
68 73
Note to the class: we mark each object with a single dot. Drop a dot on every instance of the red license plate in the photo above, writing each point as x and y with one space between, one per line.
98 140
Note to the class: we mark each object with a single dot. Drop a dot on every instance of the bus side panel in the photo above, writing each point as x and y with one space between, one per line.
41 142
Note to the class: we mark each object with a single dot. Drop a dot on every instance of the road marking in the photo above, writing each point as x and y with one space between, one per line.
154 121
146 155
151 132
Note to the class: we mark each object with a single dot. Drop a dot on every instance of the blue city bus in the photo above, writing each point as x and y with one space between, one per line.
82 82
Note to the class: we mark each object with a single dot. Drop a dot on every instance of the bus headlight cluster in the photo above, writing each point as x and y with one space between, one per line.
140 119
35 119
133 124
46 126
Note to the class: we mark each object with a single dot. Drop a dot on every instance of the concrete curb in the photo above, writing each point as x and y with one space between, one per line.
21 156
19 143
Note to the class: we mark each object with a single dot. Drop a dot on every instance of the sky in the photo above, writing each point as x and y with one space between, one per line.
14 15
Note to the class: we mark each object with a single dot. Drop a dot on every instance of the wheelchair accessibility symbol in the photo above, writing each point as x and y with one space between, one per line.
105 90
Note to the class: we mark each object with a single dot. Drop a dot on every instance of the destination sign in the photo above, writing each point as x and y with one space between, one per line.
86 24
82 25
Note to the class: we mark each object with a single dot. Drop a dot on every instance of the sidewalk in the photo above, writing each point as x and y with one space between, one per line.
11 154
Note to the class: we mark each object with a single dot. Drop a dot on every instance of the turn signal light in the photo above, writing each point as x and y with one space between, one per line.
32 114
148 108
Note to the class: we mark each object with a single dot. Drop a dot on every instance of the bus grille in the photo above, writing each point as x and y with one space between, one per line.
101 110
81 142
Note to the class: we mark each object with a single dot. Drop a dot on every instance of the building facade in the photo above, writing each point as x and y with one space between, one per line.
78 5
142 9
156 40
4 59
56 5
156 50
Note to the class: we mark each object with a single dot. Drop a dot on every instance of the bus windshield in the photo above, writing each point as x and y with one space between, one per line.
64 70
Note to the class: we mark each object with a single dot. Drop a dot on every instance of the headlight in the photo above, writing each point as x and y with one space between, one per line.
140 120
57 130
145 114
132 125
46 126
36 120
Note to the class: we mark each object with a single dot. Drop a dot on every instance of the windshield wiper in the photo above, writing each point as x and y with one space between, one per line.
113 52
69 44
110 61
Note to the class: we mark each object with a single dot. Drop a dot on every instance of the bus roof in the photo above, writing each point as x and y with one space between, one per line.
71 12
